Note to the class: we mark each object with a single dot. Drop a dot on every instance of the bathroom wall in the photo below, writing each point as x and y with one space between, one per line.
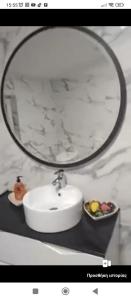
62 119
107 178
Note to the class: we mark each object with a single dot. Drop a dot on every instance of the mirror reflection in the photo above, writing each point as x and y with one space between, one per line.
61 95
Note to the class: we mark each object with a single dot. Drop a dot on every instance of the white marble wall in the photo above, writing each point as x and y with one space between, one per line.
109 177
64 117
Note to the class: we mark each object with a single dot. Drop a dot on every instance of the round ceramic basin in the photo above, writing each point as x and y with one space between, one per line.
49 210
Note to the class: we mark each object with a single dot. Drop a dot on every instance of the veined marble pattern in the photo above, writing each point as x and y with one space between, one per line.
109 177
52 118
62 97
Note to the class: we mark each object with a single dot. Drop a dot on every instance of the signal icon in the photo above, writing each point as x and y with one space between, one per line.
104 5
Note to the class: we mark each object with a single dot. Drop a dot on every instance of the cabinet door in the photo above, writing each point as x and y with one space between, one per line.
3 263
18 250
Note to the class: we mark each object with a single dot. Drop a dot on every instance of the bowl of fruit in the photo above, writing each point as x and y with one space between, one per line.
100 210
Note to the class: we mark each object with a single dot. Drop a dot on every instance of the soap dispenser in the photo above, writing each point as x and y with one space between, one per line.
19 189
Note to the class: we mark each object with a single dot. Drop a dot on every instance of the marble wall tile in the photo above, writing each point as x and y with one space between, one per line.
53 120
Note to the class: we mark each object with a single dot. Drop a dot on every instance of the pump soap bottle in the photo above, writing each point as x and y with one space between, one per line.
19 189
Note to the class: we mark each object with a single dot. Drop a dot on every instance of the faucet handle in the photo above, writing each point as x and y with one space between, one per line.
59 172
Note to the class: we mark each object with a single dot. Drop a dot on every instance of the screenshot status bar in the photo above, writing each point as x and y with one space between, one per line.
65 4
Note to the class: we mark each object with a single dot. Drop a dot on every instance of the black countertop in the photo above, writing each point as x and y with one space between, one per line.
88 236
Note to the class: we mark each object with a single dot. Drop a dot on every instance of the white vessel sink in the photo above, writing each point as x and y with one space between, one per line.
48 210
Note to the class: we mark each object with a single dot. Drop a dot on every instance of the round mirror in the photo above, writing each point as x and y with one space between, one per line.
63 96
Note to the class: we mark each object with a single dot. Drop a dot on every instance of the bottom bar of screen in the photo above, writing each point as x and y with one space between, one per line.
71 291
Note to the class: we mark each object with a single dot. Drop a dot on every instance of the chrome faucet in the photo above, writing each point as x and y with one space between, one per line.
60 181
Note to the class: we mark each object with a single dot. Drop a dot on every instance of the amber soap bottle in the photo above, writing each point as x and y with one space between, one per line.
19 189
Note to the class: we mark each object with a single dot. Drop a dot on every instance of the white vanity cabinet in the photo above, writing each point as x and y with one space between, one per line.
19 250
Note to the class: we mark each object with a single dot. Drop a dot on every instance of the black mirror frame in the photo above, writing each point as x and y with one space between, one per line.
123 100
